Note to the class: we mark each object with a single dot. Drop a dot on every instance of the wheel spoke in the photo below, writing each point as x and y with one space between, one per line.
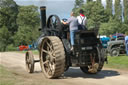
55 23
52 66
46 62
51 22
51 49
49 69
28 61
53 59
48 49
49 46
29 66
45 51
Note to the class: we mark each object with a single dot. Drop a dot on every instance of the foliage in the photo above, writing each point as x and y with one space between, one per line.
8 25
118 12
90 24
4 38
102 18
95 13
125 11
109 7
111 27
99 1
25 35
124 28
78 3
28 15
8 16
115 23
18 24
89 0
11 47
28 22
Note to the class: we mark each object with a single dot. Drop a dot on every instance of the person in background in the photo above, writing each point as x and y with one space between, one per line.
81 20
73 25
126 43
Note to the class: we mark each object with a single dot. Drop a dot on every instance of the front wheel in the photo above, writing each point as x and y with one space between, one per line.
114 52
29 59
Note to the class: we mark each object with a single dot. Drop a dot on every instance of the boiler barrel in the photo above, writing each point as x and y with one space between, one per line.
43 16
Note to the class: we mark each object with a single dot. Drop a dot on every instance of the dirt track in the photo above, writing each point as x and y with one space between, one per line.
15 62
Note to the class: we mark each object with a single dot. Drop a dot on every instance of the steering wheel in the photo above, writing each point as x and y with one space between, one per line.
64 19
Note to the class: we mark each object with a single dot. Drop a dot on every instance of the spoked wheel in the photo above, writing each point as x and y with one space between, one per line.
29 62
114 52
54 24
103 56
52 57
86 69
97 66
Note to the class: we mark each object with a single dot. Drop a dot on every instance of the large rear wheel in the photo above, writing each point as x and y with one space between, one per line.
52 57
98 65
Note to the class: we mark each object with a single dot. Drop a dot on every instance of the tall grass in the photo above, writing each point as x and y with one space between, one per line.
120 62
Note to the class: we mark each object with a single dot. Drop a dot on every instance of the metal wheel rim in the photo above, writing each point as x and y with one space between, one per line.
115 52
85 69
48 58
29 62
53 22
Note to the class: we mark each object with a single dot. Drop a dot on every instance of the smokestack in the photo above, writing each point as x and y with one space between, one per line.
43 16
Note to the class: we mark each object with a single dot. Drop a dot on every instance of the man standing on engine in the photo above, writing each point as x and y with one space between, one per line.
73 25
81 20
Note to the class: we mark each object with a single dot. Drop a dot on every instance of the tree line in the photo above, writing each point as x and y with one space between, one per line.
18 24
104 19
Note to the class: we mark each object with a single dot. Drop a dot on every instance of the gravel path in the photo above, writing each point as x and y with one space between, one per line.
16 62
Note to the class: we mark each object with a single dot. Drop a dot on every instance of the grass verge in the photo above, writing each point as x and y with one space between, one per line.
15 77
33 51
6 77
120 62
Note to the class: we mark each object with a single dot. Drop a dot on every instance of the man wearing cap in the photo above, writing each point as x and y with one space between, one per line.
73 25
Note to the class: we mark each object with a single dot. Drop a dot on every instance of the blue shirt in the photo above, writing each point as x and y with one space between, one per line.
126 39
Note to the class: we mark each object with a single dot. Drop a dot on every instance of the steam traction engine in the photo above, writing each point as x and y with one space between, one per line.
55 56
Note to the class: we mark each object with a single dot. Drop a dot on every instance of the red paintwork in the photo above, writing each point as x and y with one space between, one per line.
23 47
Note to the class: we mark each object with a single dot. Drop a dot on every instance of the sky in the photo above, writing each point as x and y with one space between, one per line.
62 8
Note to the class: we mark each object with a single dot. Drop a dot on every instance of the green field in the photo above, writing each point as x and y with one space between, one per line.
120 62
6 77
